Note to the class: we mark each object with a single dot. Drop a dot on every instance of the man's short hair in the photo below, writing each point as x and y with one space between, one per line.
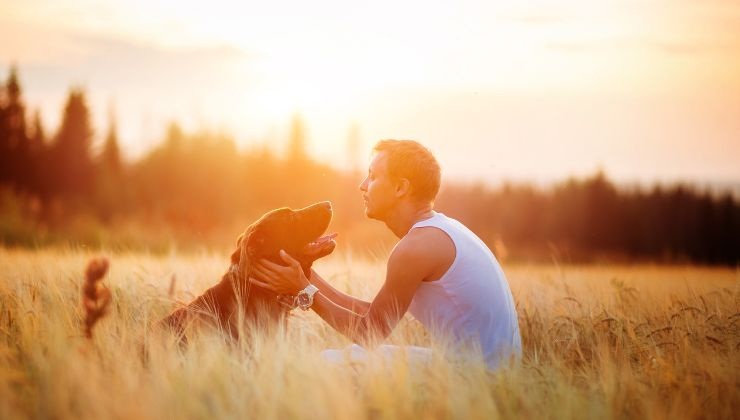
409 159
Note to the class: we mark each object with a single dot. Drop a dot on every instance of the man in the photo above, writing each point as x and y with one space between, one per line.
439 271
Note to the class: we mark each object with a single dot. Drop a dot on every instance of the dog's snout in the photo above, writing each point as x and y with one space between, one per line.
326 204
321 206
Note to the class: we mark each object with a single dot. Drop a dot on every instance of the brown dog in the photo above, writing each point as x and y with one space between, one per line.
234 301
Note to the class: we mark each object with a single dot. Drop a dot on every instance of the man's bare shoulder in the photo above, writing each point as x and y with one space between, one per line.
427 249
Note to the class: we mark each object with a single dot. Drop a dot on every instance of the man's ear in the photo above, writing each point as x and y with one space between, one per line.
403 187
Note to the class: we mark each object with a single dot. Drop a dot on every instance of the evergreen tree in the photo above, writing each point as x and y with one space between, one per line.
175 140
354 147
70 164
297 141
13 140
109 194
37 156
110 157
37 135
4 139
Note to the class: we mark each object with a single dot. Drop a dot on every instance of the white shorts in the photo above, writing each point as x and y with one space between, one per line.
355 354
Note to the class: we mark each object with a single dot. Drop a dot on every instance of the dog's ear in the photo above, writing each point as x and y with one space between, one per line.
247 243
246 248
235 256
254 242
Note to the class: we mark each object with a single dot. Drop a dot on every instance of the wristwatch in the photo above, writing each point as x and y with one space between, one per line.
304 298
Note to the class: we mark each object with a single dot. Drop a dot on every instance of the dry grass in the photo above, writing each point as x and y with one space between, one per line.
600 342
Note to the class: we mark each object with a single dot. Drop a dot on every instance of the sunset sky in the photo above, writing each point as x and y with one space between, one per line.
647 90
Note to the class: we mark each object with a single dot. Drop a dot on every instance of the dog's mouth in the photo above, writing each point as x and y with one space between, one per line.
313 221
320 247
320 244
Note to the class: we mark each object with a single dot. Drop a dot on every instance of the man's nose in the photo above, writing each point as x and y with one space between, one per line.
363 185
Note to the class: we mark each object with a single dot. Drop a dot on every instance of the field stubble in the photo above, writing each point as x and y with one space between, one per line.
599 342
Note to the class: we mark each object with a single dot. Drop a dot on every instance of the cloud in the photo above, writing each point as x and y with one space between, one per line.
694 48
149 84
534 19
53 58
109 61
645 44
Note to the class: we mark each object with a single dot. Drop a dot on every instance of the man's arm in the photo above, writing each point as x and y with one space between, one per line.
407 267
422 254
344 300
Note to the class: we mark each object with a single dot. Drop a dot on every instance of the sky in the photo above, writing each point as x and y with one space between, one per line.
645 90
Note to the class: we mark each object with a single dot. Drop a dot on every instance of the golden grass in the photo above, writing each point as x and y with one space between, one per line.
599 342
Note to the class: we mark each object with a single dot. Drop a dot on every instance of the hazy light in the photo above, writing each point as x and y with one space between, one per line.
643 90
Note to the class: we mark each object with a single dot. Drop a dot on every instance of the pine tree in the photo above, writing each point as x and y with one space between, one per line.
4 138
297 141
13 139
110 157
175 140
37 155
37 135
70 164
109 194
354 145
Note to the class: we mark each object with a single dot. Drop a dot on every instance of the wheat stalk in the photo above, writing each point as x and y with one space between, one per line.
95 296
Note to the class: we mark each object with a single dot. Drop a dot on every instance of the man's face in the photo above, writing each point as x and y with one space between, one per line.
378 189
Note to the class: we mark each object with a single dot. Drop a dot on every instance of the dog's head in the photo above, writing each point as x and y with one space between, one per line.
297 232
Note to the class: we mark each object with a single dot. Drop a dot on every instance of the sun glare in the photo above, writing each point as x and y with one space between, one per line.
399 68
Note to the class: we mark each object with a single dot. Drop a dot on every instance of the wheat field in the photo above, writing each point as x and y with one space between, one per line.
599 342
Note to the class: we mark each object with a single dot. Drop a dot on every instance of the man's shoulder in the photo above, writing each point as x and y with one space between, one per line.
423 236
424 244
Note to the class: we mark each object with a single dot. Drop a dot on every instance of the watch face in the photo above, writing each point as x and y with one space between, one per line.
303 299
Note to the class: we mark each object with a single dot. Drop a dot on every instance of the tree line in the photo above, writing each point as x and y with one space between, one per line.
195 184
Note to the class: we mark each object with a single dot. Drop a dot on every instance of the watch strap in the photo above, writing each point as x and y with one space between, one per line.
310 289
309 292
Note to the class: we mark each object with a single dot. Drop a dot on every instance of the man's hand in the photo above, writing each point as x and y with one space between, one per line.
280 279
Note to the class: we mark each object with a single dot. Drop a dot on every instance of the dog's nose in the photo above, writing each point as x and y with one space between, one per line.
326 204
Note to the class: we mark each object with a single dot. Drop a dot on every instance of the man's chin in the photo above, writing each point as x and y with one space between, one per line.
373 213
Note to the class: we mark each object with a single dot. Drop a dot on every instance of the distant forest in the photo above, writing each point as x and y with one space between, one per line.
198 190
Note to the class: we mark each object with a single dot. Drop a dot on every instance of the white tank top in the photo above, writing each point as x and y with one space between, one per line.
471 303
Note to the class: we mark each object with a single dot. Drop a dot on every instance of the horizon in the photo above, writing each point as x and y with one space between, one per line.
535 93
